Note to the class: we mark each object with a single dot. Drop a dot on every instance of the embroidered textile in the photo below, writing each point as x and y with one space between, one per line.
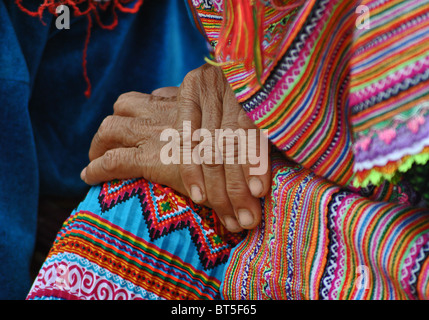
136 240
389 96
320 238
323 70
318 241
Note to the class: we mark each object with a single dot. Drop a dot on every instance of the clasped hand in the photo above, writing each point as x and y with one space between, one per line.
128 145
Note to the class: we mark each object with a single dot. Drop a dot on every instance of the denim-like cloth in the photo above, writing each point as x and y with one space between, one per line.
46 121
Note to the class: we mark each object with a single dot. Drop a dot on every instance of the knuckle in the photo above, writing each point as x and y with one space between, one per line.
137 159
233 144
111 160
208 153
191 85
106 127
95 143
125 100
193 74
120 102
212 167
135 127
187 171
96 140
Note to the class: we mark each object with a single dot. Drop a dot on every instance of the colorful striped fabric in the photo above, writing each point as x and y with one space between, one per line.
133 239
320 238
305 80
275 261
324 70
389 90
318 241
136 240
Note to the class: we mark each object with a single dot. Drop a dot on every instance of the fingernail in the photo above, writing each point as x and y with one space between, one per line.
83 174
255 186
231 223
245 217
196 194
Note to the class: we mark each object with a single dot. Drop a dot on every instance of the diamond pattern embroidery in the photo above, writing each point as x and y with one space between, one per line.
166 211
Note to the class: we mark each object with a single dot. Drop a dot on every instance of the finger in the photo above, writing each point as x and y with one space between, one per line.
128 163
136 104
233 143
218 197
166 92
117 131
187 124
215 177
121 163
247 208
257 167
204 175
129 103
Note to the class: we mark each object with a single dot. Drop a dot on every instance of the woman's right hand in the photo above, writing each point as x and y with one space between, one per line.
228 178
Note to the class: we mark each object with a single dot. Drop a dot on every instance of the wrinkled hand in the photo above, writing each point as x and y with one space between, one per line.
206 103
127 143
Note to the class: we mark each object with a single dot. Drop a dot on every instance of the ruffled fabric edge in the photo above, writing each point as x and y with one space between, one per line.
391 171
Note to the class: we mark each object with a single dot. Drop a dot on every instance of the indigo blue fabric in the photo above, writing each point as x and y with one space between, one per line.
47 123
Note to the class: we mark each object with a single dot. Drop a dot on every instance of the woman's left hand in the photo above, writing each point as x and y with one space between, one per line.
127 144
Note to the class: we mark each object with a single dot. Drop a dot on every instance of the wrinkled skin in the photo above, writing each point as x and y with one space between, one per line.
128 145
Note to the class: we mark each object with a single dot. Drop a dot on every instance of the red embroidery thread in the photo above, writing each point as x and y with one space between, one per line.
92 9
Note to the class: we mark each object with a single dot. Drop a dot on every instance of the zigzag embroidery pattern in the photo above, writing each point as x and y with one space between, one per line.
165 211
389 92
